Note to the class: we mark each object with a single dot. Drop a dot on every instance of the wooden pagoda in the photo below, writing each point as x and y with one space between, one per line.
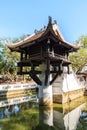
48 48
45 46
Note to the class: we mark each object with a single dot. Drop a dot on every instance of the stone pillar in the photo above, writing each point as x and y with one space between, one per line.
45 91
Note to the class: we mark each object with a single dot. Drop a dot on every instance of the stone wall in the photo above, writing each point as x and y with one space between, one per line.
68 96
67 87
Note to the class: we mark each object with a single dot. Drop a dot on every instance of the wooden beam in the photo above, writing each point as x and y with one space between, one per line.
68 69
26 73
54 78
34 77
27 63
47 73
59 72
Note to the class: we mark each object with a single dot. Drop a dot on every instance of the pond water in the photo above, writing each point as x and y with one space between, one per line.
70 116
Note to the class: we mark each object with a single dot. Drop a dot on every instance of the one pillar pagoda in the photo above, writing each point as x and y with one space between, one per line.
47 50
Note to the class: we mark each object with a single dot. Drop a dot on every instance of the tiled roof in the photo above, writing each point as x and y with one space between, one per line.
28 40
32 38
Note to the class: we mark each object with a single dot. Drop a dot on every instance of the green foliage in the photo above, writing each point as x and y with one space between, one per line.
79 58
8 60
2 64
82 41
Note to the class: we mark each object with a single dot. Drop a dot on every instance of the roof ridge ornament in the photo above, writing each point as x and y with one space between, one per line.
41 30
50 20
55 22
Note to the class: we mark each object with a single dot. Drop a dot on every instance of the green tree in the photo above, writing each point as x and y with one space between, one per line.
82 41
8 61
79 58
1 57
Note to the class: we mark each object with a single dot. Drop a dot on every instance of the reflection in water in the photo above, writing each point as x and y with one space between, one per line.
72 117
45 119
50 119
46 116
82 123
33 117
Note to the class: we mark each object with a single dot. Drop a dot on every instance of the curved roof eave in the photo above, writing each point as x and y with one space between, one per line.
53 28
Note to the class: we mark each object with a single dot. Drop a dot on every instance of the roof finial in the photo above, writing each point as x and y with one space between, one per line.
50 19
55 22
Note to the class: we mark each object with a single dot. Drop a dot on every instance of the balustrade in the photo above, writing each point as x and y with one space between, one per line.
17 86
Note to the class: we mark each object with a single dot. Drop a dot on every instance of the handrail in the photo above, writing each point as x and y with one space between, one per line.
45 54
57 55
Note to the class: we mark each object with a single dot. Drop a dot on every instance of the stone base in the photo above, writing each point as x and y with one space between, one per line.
67 96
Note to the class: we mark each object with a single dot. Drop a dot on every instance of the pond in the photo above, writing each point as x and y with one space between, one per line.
70 116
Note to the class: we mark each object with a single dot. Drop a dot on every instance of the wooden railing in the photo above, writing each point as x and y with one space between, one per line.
39 55
57 55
